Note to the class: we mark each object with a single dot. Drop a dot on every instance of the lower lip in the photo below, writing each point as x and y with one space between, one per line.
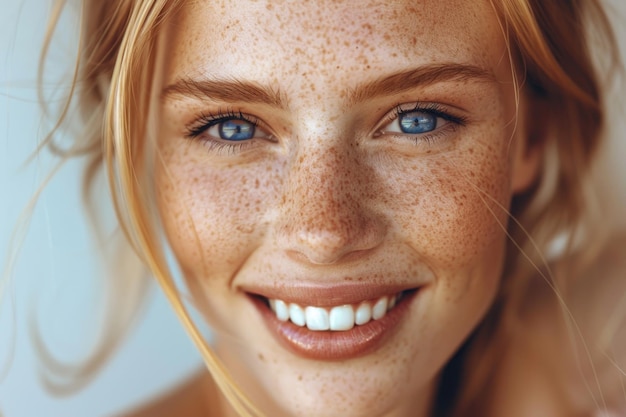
329 345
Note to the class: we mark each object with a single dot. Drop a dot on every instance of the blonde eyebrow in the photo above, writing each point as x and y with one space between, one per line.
224 90
402 81
249 92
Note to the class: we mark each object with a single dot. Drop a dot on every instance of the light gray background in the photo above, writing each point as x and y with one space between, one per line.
56 272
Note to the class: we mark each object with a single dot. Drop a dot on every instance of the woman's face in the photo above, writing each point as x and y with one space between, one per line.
321 161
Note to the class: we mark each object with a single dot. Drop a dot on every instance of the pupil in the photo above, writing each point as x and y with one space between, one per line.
417 122
236 129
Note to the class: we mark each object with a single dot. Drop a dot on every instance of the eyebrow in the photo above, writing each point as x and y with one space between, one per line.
233 90
402 81
224 90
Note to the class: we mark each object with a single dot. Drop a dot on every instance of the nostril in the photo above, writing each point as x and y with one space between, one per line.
324 215
323 240
309 258
325 246
326 241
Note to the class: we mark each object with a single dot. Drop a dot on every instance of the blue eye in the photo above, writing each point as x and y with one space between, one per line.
228 131
425 125
421 122
416 122
235 129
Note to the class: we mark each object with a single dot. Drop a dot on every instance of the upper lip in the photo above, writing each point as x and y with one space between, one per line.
319 295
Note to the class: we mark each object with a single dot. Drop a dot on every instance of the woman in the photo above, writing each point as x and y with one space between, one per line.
364 199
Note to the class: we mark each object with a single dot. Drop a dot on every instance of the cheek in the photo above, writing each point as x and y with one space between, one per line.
212 214
452 207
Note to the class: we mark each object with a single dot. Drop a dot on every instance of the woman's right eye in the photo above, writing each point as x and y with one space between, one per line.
228 132
226 128
233 130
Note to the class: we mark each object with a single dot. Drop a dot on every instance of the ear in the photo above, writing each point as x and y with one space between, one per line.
534 127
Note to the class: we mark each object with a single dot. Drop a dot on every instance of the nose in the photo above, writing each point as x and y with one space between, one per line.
325 214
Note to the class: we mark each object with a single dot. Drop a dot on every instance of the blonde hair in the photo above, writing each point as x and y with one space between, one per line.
549 48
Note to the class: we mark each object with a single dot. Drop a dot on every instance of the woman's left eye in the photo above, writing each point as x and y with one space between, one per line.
414 123
417 122
422 123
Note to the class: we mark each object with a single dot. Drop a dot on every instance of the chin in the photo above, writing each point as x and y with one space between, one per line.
344 391
393 378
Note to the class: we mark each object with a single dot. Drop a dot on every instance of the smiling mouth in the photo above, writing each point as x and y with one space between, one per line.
335 332
337 318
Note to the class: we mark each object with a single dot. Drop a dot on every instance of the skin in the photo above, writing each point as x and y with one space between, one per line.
328 194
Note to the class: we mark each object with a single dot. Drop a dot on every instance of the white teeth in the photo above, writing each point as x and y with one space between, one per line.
339 318
296 314
316 318
363 314
342 318
380 309
281 310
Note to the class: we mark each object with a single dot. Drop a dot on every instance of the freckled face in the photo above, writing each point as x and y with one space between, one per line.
365 157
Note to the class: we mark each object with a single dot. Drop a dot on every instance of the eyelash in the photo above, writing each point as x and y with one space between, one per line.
434 109
198 129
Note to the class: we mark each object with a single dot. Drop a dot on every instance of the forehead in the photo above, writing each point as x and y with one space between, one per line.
328 40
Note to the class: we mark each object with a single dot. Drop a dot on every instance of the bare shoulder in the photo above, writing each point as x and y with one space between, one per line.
598 305
567 358
608 271
194 397
597 296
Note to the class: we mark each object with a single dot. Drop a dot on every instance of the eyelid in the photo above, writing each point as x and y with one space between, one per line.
206 120
436 109
437 139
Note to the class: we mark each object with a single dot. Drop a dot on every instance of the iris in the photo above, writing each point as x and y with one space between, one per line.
417 122
236 129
